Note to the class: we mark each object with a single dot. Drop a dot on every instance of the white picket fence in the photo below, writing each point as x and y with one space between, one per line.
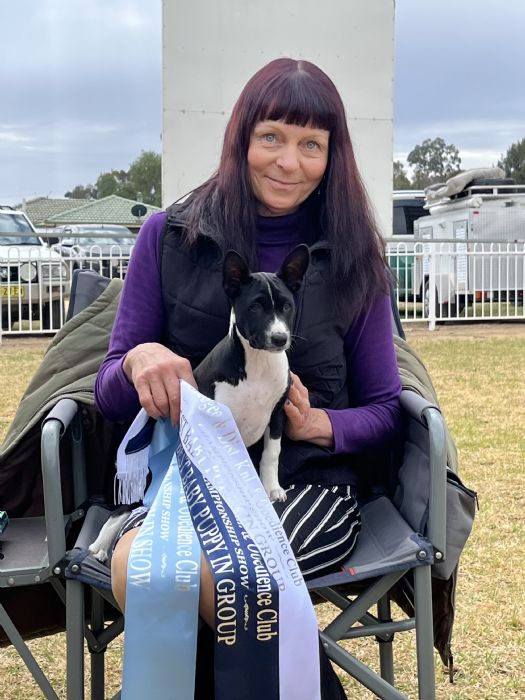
436 281
35 284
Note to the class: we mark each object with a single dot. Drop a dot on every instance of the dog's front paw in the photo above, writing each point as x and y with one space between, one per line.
277 494
100 555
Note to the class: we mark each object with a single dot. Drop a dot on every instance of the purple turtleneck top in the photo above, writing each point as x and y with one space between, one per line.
372 368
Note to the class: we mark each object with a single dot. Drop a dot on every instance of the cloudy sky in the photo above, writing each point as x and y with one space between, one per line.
459 75
80 85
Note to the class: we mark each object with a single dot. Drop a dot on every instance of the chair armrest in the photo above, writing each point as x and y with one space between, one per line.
53 429
437 516
64 412
430 416
414 404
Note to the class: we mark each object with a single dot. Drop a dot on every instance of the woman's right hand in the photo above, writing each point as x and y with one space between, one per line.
155 372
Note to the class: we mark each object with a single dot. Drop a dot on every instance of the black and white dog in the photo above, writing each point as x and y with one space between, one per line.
248 369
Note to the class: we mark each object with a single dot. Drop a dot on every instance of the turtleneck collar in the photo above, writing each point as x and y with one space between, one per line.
282 230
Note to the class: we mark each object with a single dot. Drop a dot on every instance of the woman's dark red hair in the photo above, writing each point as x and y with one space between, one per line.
295 92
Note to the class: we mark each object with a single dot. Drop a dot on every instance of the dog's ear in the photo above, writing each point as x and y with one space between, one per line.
235 272
294 267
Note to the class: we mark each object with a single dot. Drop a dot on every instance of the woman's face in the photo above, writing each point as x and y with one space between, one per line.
286 163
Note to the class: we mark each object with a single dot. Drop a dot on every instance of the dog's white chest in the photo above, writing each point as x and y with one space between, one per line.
253 399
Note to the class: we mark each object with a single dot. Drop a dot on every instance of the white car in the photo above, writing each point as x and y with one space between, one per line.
105 248
33 278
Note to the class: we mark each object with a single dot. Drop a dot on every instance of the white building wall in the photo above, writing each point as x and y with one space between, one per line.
212 47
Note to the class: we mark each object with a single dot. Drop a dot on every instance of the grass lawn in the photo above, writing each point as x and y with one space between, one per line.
480 379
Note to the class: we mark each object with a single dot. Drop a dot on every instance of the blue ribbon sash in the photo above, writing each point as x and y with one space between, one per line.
211 500
162 599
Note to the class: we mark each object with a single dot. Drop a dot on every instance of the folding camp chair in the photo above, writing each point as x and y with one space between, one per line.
403 534
392 544
32 546
33 598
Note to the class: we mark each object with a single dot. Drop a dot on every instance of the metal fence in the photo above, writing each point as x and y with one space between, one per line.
35 283
442 281
436 281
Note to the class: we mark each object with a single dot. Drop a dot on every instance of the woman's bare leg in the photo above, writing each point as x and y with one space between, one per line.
119 572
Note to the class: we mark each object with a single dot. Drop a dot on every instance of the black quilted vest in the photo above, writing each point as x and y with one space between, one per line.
198 314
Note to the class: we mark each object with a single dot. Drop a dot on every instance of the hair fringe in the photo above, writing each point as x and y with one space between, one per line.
224 206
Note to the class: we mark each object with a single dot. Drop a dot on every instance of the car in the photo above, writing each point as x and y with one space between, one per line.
34 280
102 247
408 206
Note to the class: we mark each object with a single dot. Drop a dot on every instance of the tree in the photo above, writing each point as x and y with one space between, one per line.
433 161
145 177
81 192
106 185
110 183
513 162
401 181
142 181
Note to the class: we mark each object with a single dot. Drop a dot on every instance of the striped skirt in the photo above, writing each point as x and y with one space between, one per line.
322 524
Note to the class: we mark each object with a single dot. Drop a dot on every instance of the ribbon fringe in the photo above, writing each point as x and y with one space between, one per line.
132 461
132 478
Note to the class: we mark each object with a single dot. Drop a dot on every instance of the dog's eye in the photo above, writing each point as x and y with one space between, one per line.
287 306
254 308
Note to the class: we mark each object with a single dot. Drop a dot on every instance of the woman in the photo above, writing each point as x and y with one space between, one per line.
287 175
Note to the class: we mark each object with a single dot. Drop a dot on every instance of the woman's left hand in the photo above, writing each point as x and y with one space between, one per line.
303 421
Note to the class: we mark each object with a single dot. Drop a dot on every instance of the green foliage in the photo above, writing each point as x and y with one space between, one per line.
114 182
145 177
141 182
81 192
433 161
401 181
513 162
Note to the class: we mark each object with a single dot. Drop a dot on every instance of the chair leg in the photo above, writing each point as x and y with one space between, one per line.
360 671
424 633
25 654
386 651
97 657
75 639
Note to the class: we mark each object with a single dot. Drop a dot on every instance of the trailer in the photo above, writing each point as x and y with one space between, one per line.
470 246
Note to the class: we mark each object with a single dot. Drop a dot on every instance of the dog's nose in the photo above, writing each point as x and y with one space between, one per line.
279 339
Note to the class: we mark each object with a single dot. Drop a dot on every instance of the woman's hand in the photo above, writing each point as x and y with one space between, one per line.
304 422
155 371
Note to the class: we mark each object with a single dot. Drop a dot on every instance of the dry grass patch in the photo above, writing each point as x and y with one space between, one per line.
16 683
18 363
481 385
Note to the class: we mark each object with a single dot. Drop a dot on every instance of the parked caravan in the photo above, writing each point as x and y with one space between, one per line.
471 244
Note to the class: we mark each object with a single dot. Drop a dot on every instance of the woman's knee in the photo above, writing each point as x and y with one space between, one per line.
119 575
119 566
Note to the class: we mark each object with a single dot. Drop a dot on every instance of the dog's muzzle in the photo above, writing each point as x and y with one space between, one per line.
279 340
